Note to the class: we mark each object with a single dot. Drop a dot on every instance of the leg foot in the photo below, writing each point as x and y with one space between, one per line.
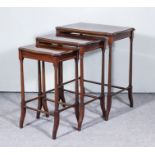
81 116
22 117
103 107
56 125
130 97
106 116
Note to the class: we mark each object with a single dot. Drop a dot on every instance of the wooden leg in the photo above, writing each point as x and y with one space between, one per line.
84 90
61 89
102 100
130 71
81 106
109 97
39 90
44 102
76 90
130 97
23 104
56 110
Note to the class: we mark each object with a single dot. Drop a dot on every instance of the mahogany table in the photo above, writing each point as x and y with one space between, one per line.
53 55
83 45
113 33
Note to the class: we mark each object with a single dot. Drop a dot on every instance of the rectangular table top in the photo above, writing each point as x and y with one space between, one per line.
74 41
46 51
96 29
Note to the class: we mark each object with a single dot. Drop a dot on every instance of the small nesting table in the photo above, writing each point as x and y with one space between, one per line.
113 33
53 55
83 44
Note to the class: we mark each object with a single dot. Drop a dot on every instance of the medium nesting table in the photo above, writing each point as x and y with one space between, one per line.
113 33
83 44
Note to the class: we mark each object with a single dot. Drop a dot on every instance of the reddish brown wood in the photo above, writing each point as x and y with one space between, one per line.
39 90
109 98
23 104
88 44
60 76
118 32
56 110
53 55
113 33
81 105
84 45
76 89
130 71
102 99
44 102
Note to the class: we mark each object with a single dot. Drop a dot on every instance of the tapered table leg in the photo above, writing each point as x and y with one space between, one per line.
109 97
39 90
130 71
23 104
102 99
61 89
56 110
76 90
81 105
44 102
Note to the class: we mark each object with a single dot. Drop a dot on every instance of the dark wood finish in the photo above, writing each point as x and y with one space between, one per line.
76 89
60 75
109 98
23 109
83 45
55 55
130 71
39 90
113 33
56 110
52 39
81 106
44 103
74 40
118 32
102 99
